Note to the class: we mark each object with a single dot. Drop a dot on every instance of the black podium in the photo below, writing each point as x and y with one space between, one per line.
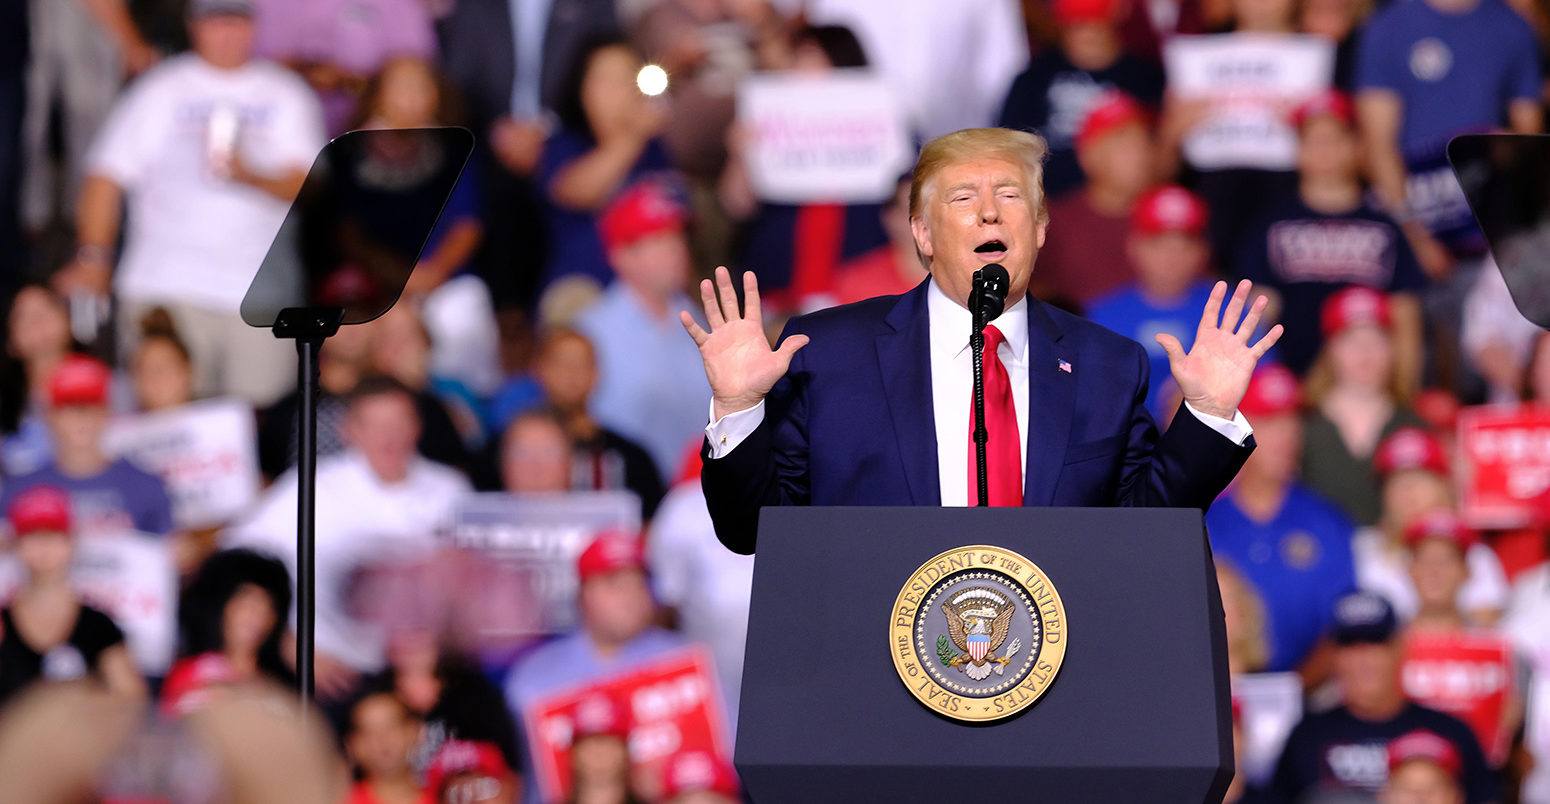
1139 711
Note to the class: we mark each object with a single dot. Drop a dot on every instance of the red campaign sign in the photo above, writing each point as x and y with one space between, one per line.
1505 453
1466 674
673 705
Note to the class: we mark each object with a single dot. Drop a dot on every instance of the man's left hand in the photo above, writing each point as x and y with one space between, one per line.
1214 375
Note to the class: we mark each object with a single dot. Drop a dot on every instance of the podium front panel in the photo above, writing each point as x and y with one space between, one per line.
1139 711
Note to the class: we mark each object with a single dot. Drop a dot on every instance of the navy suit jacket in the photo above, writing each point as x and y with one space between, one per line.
852 423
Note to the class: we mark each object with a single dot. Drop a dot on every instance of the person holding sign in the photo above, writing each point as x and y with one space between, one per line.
876 411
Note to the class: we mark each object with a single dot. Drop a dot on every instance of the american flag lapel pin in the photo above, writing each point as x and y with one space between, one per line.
1065 366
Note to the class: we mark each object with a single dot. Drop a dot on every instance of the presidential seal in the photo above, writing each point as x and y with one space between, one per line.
978 633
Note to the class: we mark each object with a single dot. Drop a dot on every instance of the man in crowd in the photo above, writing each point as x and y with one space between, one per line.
108 495
1345 750
566 369
652 383
616 631
1291 544
1087 255
818 435
1329 237
377 501
206 150
1065 84
537 456
1168 247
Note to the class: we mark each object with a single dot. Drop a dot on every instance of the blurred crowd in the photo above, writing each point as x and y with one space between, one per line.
1389 640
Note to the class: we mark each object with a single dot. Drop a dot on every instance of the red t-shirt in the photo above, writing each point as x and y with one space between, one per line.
361 793
1084 255
875 273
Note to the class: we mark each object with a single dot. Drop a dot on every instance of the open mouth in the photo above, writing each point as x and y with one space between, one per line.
994 249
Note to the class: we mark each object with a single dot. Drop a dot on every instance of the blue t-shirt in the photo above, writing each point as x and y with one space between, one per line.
1453 72
120 497
1307 256
576 247
1299 562
1131 313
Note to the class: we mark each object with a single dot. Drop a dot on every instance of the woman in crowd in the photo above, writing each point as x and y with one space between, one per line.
37 338
161 372
608 139
1416 482
796 250
454 302
232 617
49 633
1355 391
446 691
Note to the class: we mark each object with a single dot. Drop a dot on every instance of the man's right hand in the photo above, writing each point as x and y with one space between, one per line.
739 362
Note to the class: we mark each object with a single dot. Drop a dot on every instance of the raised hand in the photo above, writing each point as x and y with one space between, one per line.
739 363
1214 375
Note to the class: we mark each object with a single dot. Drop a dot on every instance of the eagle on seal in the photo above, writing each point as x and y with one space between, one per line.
977 622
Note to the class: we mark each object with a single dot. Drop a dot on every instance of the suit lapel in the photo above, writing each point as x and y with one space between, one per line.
1051 401
904 357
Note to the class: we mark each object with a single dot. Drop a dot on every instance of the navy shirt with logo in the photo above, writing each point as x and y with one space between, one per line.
1299 562
1334 752
1053 97
1307 256
1452 71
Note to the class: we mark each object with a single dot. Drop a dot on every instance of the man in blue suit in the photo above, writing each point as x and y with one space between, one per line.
869 403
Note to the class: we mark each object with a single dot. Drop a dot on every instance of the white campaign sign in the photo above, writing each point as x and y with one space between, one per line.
130 577
837 138
205 452
1251 83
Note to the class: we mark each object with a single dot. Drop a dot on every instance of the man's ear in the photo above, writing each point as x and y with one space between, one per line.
1040 230
922 234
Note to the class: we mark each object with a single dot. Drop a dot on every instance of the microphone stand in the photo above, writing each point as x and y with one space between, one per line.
977 347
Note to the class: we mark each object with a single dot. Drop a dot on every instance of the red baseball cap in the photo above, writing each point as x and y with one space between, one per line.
1440 524
1273 390
1352 306
610 552
40 509
1111 111
1424 746
691 771
464 756
601 715
1068 12
1333 103
1410 448
1169 209
79 380
645 208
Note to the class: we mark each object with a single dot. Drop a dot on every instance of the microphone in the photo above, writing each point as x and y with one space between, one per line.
988 298
986 301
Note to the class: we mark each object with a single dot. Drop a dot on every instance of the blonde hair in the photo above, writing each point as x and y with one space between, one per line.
1024 147
1248 648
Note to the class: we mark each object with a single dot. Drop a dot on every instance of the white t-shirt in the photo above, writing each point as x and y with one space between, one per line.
708 584
191 237
1385 570
361 522
1528 626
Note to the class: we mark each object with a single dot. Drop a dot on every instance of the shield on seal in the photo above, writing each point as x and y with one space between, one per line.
978 645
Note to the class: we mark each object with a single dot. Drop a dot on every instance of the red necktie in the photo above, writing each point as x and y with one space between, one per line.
1003 452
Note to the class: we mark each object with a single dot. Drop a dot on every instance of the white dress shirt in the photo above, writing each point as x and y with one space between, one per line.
952 386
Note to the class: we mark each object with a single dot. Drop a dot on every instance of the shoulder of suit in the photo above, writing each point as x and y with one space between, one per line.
855 318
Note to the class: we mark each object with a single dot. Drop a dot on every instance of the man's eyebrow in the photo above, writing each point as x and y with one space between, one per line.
963 185
1009 183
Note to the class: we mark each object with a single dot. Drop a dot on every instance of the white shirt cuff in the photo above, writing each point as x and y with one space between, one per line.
727 432
1236 429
